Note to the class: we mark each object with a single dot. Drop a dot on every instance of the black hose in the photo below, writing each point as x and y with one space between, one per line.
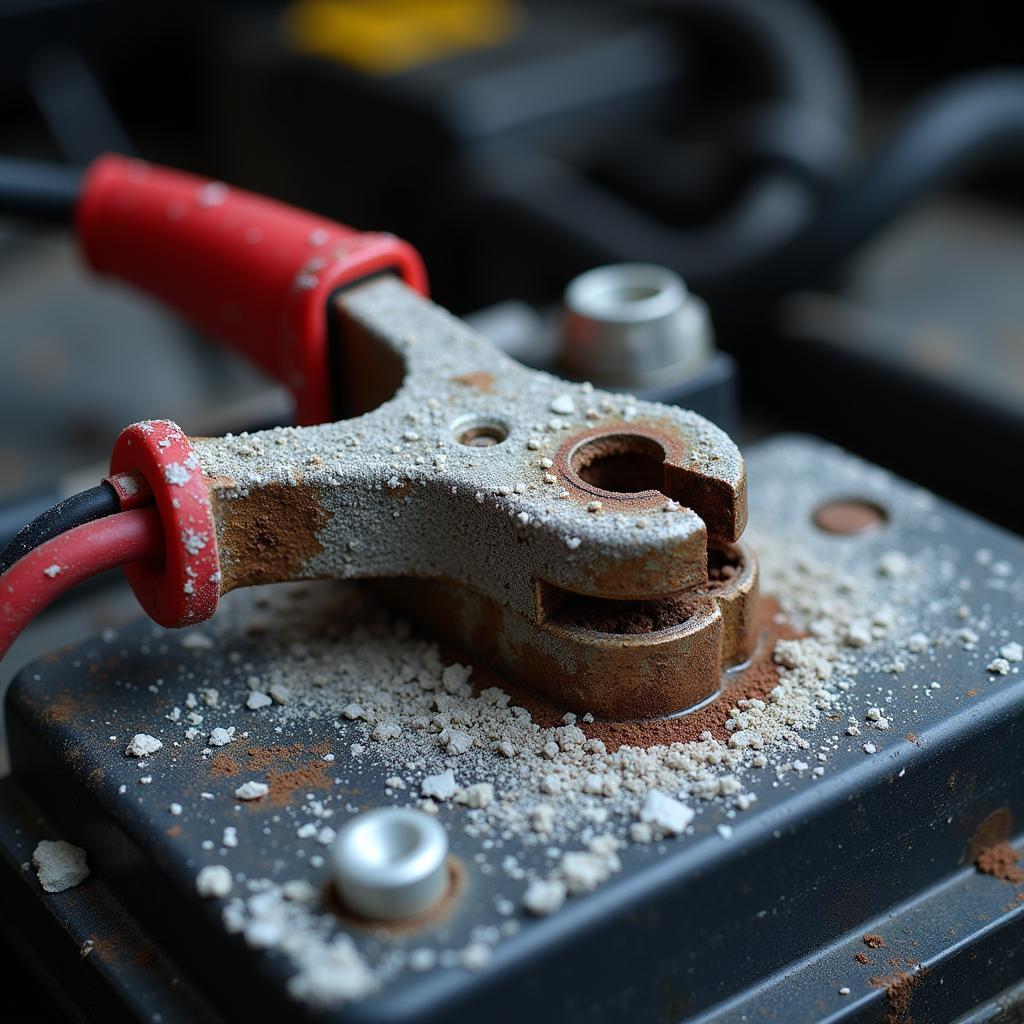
84 507
794 136
789 71
785 44
38 190
587 224
957 128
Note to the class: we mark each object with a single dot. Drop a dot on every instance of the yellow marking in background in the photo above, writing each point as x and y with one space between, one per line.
383 37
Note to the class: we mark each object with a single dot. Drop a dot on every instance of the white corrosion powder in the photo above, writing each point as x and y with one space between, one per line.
213 881
552 811
666 814
252 790
59 865
142 745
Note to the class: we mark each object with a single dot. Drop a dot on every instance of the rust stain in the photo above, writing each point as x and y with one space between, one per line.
62 710
613 442
733 581
996 828
754 681
478 379
668 672
683 560
269 536
224 766
266 757
722 507
899 990
283 784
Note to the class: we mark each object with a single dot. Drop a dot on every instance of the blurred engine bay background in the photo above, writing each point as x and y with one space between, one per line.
841 188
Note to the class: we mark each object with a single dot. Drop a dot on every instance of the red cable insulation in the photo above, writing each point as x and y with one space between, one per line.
53 568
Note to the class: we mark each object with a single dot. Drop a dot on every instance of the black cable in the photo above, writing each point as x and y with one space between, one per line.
956 128
786 47
95 503
795 136
791 73
563 212
38 189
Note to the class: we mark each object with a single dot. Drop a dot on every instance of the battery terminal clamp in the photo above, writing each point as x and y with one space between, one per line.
585 542
527 519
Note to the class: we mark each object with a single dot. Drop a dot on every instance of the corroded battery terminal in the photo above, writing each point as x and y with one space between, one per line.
584 542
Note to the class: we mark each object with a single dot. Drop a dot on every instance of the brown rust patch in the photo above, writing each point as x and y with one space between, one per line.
677 565
616 676
267 757
478 379
754 681
224 765
268 536
610 446
1001 861
628 618
994 829
284 783
722 506
899 989
733 581
62 710
612 675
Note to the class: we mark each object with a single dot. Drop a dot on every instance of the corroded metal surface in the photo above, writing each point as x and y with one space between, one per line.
521 492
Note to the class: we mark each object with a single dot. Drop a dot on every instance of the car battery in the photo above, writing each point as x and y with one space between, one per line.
832 839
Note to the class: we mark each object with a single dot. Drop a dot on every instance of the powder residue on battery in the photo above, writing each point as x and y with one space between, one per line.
899 989
1001 861
570 792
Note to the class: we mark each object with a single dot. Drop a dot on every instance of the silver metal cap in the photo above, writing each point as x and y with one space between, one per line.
391 863
631 324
